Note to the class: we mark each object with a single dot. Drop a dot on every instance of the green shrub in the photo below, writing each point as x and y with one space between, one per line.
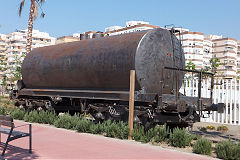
31 116
45 117
228 150
138 132
67 121
3 111
18 113
86 126
179 138
11 109
123 130
202 146
96 128
222 128
149 134
110 128
160 133
114 129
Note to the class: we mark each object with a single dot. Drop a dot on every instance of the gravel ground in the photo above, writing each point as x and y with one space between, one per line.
216 136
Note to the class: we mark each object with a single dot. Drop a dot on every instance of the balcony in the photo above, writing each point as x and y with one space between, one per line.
229 54
3 43
229 64
229 73
230 50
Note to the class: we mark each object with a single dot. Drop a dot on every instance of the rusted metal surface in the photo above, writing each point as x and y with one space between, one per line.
105 63
92 76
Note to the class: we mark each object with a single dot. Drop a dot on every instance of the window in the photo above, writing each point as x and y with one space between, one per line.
228 67
230 42
228 48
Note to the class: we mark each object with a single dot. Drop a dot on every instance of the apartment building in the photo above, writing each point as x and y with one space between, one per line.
16 44
192 44
238 59
207 51
131 26
80 36
3 44
15 48
91 34
3 48
226 50
200 48
66 39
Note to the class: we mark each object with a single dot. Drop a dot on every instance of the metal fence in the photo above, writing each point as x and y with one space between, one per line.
225 91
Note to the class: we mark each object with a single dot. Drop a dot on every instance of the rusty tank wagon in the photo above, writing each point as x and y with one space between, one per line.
92 76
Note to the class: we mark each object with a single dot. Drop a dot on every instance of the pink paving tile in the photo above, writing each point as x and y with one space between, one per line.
53 143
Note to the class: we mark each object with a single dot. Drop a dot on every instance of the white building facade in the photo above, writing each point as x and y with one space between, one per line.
192 44
131 26
15 48
16 44
3 48
198 48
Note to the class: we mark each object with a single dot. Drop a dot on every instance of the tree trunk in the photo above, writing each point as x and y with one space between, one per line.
30 27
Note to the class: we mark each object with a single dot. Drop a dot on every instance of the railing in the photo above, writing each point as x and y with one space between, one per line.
224 91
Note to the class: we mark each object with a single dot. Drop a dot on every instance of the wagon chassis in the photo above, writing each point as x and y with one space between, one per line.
104 105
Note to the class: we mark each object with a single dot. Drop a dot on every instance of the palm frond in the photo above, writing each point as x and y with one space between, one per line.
21 7
42 15
40 2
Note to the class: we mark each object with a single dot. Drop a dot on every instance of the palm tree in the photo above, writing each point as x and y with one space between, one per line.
32 16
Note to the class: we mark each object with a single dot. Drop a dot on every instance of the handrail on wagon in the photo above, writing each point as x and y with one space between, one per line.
200 73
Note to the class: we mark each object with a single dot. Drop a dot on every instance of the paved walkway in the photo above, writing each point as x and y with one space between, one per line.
52 143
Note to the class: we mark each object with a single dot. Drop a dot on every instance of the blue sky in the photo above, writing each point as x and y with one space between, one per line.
221 17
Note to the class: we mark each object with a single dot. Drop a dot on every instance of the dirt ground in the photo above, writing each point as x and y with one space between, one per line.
233 132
